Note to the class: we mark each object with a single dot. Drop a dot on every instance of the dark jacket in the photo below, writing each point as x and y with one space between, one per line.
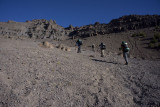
102 46
79 42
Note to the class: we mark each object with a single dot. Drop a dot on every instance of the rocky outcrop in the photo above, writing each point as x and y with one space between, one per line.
133 22
34 29
45 29
124 23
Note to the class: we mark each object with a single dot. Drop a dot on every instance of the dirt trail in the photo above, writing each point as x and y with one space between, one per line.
33 76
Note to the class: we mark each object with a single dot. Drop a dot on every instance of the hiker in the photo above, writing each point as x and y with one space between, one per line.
125 49
79 43
102 47
93 47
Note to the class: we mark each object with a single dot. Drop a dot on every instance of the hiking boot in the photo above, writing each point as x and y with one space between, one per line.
126 63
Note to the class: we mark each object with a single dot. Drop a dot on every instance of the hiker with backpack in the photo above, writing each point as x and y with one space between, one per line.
102 47
79 43
125 49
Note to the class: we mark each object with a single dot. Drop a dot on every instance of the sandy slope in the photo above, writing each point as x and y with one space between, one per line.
31 76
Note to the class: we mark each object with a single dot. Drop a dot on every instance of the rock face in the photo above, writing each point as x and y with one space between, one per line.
33 29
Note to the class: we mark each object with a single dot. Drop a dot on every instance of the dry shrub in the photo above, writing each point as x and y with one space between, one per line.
68 49
51 46
46 44
62 47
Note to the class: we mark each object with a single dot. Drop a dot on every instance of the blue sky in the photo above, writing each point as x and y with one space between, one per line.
75 12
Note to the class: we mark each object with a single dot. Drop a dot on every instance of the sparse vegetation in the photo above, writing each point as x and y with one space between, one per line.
151 45
134 35
64 48
157 28
141 35
159 45
154 41
157 36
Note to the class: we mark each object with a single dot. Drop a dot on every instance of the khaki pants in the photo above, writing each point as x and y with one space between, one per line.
102 52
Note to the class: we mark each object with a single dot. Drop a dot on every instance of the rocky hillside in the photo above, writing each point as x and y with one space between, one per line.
39 29
141 32
122 24
37 73
49 29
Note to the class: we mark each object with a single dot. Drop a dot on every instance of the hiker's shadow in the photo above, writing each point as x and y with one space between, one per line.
97 60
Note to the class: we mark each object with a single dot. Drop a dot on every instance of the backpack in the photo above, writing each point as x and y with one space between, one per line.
79 42
103 46
125 47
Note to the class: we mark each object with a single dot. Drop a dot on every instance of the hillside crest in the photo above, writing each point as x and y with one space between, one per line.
41 28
